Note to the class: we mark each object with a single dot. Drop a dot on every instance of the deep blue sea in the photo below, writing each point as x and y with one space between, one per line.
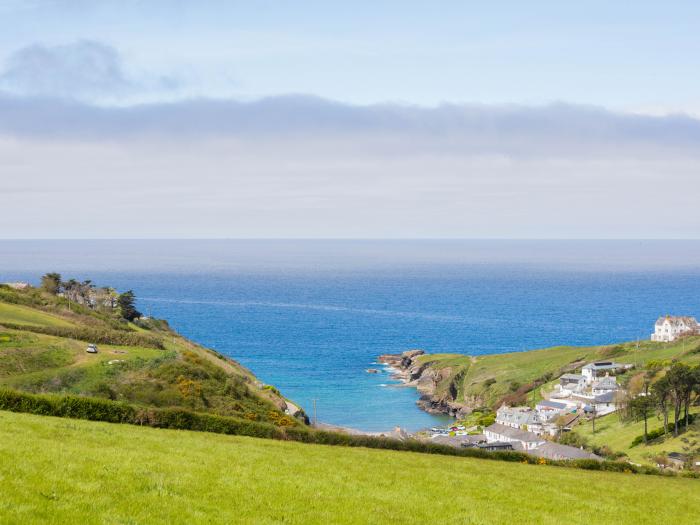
311 316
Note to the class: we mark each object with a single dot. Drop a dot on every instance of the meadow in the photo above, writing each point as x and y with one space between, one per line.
74 471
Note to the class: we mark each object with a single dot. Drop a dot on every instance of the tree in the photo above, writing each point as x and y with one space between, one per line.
662 395
680 378
641 407
51 282
126 306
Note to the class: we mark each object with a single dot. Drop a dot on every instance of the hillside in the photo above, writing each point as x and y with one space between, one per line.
43 341
129 474
456 384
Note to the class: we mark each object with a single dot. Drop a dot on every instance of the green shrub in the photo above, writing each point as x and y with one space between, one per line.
93 335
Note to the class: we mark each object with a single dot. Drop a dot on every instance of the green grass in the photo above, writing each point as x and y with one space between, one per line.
618 436
14 313
84 472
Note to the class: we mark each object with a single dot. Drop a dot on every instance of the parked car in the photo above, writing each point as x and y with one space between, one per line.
91 349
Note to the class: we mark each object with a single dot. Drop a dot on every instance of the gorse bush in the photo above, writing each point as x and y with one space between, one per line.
183 419
93 335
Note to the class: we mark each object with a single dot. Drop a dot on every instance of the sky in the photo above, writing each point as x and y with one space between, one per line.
145 119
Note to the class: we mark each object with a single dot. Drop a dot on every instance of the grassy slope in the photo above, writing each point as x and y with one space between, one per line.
610 431
41 363
84 472
468 375
14 313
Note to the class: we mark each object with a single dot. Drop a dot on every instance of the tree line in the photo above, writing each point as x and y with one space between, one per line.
87 294
667 389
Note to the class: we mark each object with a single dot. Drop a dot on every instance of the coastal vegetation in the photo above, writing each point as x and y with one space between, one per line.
44 333
131 474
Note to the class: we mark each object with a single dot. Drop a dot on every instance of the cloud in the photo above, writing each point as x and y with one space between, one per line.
84 69
556 130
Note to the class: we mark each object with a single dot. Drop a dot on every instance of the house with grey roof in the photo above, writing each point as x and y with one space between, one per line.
502 433
593 371
556 451
548 409
572 382
520 417
604 385
669 328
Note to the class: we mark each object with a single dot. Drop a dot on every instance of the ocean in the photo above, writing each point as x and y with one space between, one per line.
311 316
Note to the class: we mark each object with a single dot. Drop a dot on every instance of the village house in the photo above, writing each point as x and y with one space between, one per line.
604 385
670 328
519 417
505 434
572 382
556 451
18 285
593 371
548 410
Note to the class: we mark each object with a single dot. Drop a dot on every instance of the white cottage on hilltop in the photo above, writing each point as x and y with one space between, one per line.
670 328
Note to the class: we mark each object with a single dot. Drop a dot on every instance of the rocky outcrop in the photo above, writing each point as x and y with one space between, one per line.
437 392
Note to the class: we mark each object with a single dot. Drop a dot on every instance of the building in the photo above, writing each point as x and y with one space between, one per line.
593 371
548 410
505 434
550 450
572 382
517 417
468 440
604 385
670 328
18 285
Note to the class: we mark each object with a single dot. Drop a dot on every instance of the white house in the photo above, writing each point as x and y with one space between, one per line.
548 410
604 385
670 328
516 417
572 382
504 434
598 369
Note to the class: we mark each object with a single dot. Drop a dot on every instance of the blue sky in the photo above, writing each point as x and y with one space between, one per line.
363 119
640 56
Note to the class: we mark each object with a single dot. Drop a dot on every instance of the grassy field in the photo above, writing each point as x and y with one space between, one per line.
14 313
84 472
618 436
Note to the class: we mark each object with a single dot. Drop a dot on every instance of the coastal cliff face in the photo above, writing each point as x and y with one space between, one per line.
437 387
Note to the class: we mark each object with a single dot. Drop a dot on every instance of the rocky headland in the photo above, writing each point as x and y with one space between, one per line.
436 397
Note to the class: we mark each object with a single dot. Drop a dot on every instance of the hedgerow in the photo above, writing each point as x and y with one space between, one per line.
93 335
177 418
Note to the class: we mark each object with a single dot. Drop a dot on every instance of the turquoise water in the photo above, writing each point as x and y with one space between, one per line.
311 316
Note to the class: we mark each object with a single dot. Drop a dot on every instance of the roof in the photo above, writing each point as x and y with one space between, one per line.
513 433
550 450
603 365
607 397
552 404
572 377
606 383
457 441
517 415
677 320
677 456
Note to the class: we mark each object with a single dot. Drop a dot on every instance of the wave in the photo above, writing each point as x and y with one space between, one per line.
318 307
